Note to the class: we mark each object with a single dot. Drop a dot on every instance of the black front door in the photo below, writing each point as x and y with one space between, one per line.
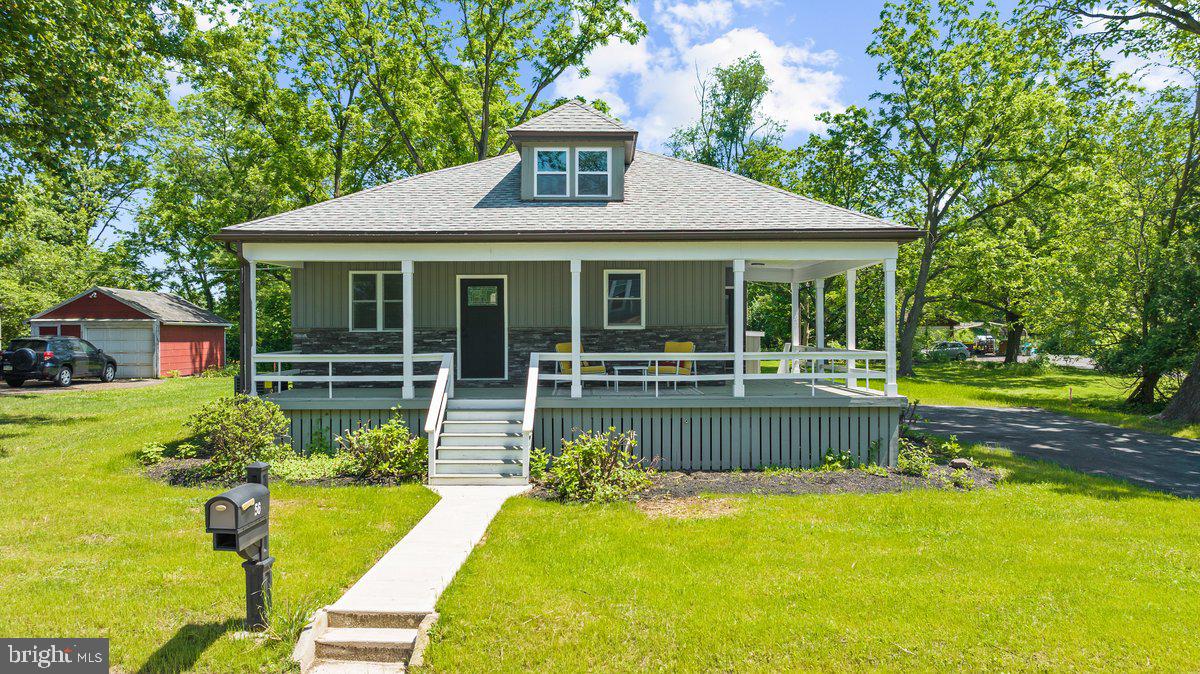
481 329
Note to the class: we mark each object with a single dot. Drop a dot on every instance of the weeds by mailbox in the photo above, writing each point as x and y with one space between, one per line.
239 521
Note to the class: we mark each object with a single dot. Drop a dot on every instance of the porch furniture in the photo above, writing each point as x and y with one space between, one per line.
631 370
564 367
677 369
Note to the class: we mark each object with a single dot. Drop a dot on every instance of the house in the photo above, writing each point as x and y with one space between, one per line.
149 333
578 283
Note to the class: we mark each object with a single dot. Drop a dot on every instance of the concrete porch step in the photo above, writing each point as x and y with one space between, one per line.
478 480
370 644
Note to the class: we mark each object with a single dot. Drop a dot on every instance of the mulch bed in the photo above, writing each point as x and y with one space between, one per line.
680 485
190 473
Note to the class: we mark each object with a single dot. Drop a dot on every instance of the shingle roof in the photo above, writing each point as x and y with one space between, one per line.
664 198
164 306
575 117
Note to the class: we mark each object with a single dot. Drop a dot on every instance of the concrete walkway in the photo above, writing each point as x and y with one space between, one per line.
413 574
1155 461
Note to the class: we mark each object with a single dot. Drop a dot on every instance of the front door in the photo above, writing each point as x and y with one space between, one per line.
482 333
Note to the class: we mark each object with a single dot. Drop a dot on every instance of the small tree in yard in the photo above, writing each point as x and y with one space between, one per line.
389 451
239 430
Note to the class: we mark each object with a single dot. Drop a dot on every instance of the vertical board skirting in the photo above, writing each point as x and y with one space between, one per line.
749 438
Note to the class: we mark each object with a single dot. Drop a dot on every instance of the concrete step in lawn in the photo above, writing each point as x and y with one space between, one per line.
366 644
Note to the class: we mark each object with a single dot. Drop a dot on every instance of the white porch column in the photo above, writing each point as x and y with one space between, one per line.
739 328
851 328
795 287
252 323
889 324
819 291
576 330
406 268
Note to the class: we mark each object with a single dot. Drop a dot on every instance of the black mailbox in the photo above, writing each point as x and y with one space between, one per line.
237 519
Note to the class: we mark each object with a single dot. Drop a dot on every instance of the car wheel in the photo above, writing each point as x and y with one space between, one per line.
63 378
109 374
962 356
15 383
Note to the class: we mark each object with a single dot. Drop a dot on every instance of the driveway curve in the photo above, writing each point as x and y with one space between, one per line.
1147 459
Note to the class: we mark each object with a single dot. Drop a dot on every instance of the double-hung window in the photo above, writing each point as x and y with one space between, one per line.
592 177
624 299
376 301
550 168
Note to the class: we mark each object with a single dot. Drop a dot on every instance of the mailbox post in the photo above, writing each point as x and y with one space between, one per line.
239 520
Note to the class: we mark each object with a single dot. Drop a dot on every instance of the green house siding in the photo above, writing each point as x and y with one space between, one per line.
690 293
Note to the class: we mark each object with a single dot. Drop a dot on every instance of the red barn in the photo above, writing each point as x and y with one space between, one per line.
151 334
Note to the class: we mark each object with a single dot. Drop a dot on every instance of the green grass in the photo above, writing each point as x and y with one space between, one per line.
91 548
1053 571
1081 393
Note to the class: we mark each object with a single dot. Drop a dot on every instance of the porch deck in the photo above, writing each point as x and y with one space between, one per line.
761 393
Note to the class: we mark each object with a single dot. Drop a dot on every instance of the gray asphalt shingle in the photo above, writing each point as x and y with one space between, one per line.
573 116
165 306
663 195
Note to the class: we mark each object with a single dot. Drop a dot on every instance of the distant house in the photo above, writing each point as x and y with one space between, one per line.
578 283
149 333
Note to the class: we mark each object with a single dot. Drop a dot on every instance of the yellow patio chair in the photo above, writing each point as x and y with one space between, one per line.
679 368
564 366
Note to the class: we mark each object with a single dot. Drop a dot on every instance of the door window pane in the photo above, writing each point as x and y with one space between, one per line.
483 296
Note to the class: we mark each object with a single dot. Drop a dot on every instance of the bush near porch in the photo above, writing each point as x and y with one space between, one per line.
1052 570
92 548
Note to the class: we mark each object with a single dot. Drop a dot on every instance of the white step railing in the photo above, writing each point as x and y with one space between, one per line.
531 391
443 391
292 375
837 367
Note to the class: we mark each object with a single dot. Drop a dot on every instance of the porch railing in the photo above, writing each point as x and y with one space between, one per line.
443 391
829 367
279 373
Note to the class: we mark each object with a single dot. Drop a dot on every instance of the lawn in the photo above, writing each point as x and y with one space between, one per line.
90 548
1053 570
1078 392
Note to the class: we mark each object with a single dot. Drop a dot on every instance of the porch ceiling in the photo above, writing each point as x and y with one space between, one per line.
780 271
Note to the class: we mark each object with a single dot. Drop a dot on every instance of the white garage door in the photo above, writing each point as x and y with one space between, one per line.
132 344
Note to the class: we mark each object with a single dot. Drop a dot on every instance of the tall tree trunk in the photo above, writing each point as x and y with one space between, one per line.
1185 406
1143 393
912 322
1015 332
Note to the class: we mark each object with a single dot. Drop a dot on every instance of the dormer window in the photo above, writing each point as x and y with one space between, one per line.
551 172
592 172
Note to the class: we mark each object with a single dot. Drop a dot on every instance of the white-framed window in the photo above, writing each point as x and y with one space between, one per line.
376 301
593 172
550 172
624 299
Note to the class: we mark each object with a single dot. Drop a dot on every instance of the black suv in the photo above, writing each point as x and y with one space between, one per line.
57 359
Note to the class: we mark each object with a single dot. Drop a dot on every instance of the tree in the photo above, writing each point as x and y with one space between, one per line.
479 53
731 122
968 96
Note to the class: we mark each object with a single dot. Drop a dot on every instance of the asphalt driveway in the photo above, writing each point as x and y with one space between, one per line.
1147 459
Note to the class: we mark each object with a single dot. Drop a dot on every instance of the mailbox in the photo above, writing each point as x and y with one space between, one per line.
237 519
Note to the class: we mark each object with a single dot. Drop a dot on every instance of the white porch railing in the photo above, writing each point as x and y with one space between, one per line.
443 391
280 358
531 393
831 367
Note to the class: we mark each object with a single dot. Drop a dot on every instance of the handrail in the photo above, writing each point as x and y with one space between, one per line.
531 390
297 357
442 391
329 359
437 403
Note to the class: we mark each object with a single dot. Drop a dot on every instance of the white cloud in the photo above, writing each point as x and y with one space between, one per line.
653 87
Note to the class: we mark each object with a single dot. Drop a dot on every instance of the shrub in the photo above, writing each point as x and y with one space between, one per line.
874 469
297 468
389 451
945 450
962 480
835 460
239 430
151 453
539 463
318 443
913 458
185 450
597 467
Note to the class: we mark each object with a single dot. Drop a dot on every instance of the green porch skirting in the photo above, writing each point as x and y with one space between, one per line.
683 438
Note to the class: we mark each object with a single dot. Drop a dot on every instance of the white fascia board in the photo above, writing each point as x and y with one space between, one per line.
91 320
866 252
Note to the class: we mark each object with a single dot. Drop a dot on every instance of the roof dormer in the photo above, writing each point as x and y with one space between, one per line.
573 153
